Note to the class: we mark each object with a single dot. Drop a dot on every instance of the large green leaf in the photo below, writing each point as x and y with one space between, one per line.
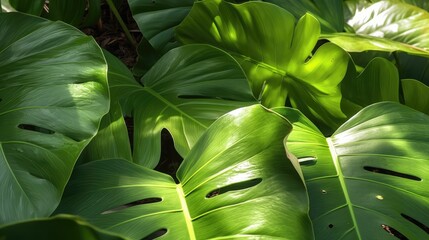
53 93
64 227
236 182
328 12
397 21
370 177
184 92
274 53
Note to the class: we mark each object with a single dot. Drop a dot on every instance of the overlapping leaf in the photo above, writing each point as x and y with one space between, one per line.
53 93
236 182
378 82
184 92
65 227
370 178
274 53
328 12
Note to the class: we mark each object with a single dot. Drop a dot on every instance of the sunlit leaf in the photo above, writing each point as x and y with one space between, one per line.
369 179
275 53
237 182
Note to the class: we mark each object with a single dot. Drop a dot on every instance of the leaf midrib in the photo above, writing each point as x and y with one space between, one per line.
343 185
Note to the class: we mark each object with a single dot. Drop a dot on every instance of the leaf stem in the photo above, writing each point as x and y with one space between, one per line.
121 22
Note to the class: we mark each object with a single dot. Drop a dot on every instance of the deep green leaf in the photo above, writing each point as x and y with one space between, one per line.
33 7
416 95
53 93
370 177
236 182
186 90
328 12
274 53
158 18
64 227
378 82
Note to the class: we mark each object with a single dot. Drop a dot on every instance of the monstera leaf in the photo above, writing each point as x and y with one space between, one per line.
184 92
369 179
53 93
65 227
275 53
236 182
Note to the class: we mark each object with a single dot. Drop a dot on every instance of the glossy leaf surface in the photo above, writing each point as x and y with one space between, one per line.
370 177
274 53
184 92
53 93
236 182
397 21
65 227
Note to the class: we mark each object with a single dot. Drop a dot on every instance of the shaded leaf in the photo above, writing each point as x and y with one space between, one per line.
378 82
416 95
53 93
65 227
236 182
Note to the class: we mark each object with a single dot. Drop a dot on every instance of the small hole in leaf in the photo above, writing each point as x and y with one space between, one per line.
392 173
156 234
153 1
307 161
34 128
331 225
324 192
419 224
132 204
234 187
393 232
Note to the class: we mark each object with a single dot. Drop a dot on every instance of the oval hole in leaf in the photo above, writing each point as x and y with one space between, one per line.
234 187
392 173
393 232
35 128
156 234
419 224
132 204
307 161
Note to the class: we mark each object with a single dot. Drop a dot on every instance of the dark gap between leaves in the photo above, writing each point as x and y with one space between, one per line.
234 187
392 173
132 204
419 224
35 128
393 232
170 159
129 122
156 234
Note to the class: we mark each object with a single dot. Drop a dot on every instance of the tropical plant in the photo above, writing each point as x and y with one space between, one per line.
294 120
